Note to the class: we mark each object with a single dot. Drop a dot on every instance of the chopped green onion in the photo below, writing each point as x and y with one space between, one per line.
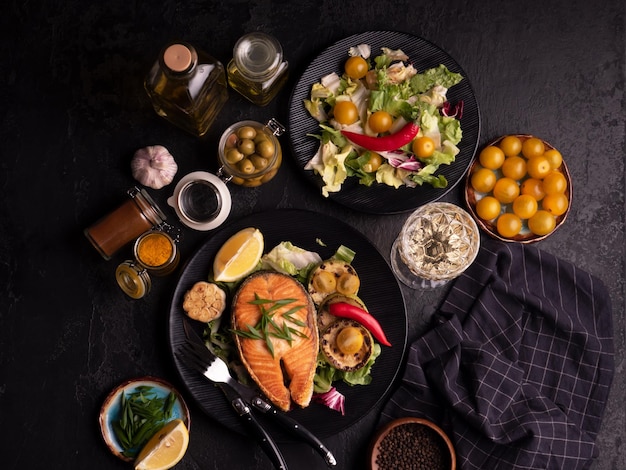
266 328
142 414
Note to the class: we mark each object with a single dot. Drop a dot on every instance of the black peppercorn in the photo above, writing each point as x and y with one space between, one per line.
413 446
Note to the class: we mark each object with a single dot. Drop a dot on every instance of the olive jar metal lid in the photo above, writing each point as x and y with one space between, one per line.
201 201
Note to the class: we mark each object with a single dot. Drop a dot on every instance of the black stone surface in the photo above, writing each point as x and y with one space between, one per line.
73 111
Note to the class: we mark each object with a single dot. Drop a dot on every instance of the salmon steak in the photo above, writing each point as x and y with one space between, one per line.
284 369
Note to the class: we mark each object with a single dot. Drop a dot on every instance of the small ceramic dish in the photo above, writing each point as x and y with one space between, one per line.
489 226
411 443
111 409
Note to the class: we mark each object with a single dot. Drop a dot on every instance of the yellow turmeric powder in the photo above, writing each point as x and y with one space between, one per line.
155 249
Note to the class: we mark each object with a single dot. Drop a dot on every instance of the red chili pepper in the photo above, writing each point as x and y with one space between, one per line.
352 312
386 142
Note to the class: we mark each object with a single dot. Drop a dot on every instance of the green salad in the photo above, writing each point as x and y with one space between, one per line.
383 121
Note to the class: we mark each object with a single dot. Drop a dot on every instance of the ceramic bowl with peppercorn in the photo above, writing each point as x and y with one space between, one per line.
412 444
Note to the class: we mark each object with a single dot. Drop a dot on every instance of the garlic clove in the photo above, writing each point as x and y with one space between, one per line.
153 166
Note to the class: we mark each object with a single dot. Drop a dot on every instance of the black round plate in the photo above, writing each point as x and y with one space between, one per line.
378 198
379 290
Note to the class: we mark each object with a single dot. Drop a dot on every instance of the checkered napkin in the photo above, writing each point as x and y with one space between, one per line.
518 363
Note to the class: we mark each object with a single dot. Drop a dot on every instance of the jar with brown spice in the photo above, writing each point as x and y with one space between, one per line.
135 216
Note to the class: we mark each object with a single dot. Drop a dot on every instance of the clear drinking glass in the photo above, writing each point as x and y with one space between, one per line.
436 244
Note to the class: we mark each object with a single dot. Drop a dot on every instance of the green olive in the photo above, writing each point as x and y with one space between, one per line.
265 148
324 281
258 161
233 156
260 136
246 166
246 146
246 132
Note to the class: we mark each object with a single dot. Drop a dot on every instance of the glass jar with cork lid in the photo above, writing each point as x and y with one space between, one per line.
187 87
257 70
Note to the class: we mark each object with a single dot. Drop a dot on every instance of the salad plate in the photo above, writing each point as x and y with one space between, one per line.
380 198
379 290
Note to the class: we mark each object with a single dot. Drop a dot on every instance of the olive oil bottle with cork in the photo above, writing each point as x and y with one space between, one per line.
187 87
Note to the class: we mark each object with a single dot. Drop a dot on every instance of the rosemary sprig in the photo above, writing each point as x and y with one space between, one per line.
267 328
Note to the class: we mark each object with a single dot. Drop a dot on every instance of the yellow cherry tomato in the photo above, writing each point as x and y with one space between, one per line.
346 112
488 208
514 167
533 147
542 223
483 180
554 182
524 206
555 204
373 162
533 187
423 147
506 190
380 121
511 145
356 67
538 167
508 225
554 157
491 157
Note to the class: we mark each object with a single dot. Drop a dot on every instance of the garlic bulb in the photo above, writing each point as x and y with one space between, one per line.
153 166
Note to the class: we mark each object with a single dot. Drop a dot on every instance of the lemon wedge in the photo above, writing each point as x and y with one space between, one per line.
239 255
165 449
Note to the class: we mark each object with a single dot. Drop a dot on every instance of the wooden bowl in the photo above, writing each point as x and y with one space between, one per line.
489 226
404 442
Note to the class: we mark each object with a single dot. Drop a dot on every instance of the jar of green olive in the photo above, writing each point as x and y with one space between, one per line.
250 153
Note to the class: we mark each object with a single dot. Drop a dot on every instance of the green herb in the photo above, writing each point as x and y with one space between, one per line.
267 328
142 414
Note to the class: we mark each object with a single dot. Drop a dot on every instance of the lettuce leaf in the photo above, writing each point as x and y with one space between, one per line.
423 82
290 259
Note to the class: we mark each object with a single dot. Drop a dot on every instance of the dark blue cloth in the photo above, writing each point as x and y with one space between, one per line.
518 364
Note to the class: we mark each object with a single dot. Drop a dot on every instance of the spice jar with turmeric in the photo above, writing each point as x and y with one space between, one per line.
157 252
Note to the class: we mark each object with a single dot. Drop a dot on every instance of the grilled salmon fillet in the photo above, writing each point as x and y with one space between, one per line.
287 376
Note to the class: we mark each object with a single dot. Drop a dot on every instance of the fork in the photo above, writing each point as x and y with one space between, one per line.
196 355
216 370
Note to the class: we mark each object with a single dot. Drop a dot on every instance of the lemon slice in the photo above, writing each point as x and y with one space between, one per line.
165 449
239 255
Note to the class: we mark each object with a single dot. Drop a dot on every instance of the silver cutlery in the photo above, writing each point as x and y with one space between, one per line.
244 399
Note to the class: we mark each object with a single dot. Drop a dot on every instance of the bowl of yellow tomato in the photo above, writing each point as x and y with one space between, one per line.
518 188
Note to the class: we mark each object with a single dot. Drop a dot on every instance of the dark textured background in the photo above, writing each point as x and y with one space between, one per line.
73 111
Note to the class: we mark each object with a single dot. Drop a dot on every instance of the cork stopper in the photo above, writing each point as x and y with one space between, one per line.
177 57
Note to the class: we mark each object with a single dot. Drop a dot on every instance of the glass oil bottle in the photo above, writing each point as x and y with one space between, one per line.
257 70
187 87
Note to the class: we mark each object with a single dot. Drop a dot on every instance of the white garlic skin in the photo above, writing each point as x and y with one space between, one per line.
153 166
